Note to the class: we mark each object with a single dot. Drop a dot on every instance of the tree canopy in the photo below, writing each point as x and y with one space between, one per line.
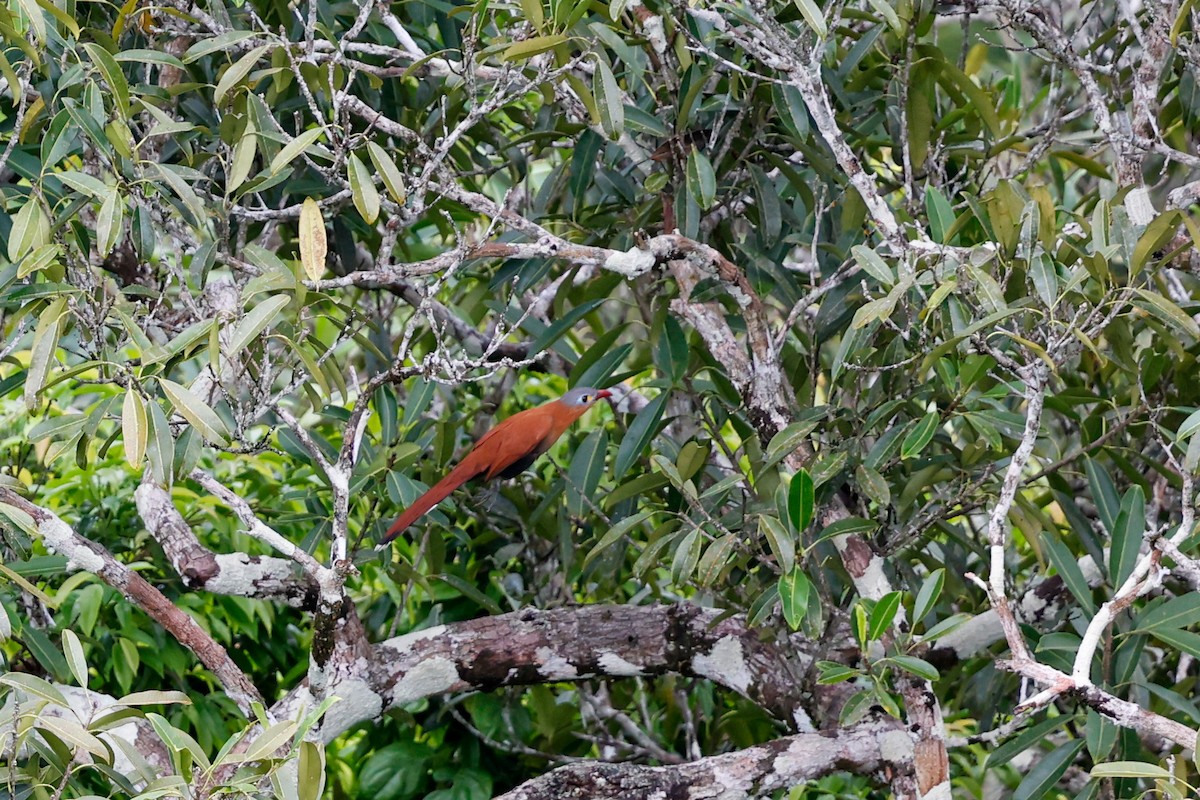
894 495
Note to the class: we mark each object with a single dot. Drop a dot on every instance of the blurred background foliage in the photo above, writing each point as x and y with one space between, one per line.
156 308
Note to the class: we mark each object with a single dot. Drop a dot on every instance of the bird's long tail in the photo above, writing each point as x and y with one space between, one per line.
436 494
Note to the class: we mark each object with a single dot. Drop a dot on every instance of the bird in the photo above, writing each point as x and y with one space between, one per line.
505 451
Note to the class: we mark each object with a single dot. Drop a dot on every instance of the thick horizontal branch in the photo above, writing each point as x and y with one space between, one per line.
568 644
84 554
868 749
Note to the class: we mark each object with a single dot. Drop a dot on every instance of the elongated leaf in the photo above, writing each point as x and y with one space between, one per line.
614 534
313 245
110 222
687 556
1131 769
870 262
639 435
237 71
261 317
34 687
813 16
195 411
608 100
294 148
701 179
45 341
917 666
388 171
310 782
113 76
928 596
1178 612
532 46
30 230
73 650
780 540
794 588
135 427
919 436
1127 534
1045 773
883 615
801 500
362 190
1167 312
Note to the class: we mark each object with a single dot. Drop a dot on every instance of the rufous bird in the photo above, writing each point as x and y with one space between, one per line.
506 450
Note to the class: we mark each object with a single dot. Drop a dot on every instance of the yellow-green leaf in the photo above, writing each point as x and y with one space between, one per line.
110 221
30 230
362 190
294 148
237 71
195 411
391 176
134 427
313 244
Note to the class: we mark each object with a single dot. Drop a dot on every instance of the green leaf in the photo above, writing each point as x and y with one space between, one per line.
1045 773
310 780
216 44
781 541
362 190
237 71
917 666
135 427
587 467
615 533
73 650
532 47
110 221
801 500
1131 769
870 262
1184 641
294 148
794 587
608 100
1127 534
928 596
195 411
884 9
1167 312
261 317
919 436
883 615
831 672
639 435
687 556
113 76
30 230
161 449
1178 612
1068 569
701 179
386 167
1045 278
45 342
873 485
813 16
941 214
34 686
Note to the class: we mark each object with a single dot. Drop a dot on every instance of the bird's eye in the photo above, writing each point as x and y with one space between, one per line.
587 398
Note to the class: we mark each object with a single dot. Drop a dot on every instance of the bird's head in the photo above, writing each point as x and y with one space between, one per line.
584 396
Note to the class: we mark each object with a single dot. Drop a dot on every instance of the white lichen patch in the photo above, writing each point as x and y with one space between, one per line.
356 701
896 746
802 755
403 644
613 664
631 263
59 535
430 677
554 666
726 664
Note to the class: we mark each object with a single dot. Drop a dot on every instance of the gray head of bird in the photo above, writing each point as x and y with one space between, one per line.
584 396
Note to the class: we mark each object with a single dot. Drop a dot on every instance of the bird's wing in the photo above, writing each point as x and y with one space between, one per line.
517 440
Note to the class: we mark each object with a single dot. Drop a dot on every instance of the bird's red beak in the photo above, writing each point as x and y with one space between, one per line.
603 393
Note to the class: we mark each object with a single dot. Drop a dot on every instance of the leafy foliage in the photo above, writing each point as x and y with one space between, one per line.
220 219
